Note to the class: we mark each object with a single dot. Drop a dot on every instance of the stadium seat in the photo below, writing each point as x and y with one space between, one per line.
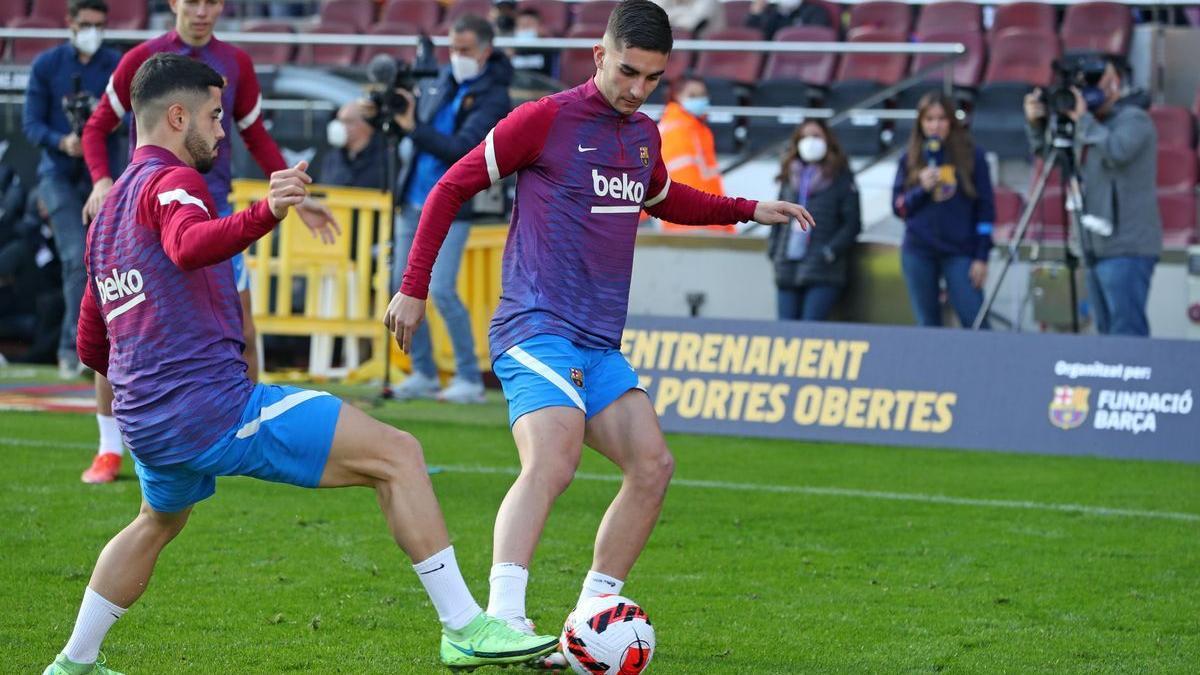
268 53
593 12
967 70
808 67
127 14
726 72
1097 26
555 14
895 17
859 76
735 12
330 55
25 50
479 8
1176 168
1174 125
1030 16
405 53
1178 211
577 65
359 14
791 80
1019 61
12 10
949 17
52 10
680 61
424 14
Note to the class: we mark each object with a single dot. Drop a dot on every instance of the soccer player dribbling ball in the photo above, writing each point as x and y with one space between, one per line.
161 319
587 163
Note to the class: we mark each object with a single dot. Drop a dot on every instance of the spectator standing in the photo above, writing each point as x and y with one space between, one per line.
356 156
770 17
694 16
812 266
688 150
76 70
943 192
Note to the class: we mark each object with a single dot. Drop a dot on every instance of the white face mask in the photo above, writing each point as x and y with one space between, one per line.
336 134
788 6
811 149
463 68
525 34
87 41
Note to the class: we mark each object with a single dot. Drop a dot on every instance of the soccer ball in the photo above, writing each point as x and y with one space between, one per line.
608 635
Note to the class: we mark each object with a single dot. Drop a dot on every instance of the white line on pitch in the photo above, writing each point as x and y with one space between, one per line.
869 494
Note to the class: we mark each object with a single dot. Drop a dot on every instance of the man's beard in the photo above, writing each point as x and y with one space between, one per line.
203 155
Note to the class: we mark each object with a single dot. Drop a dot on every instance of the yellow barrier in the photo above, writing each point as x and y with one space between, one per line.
347 284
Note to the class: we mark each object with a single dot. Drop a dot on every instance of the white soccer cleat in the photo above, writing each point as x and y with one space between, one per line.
461 391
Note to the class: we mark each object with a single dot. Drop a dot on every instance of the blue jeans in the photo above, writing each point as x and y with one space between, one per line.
443 290
921 275
813 302
64 197
1118 288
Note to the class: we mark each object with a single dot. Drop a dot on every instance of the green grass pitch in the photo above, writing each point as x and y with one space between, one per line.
771 557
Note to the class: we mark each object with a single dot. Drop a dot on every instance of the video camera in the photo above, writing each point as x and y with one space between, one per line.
1077 71
77 106
389 75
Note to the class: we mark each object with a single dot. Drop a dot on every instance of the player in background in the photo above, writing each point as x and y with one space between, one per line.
192 36
587 162
162 287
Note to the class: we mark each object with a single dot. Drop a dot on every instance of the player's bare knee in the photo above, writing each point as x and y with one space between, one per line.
163 527
652 471
402 456
552 476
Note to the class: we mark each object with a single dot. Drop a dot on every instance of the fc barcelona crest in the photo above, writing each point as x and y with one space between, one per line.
644 153
1069 408
577 377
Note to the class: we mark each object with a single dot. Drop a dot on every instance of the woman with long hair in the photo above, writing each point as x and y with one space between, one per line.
943 191
812 266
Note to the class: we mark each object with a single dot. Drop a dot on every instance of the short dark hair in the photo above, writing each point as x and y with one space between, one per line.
77 6
164 74
477 25
641 24
530 11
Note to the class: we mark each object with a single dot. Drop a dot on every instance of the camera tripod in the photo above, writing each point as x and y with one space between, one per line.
391 143
1060 154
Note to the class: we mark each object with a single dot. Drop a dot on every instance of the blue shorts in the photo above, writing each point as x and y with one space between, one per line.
284 436
240 274
548 370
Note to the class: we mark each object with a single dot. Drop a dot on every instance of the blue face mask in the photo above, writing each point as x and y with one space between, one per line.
698 106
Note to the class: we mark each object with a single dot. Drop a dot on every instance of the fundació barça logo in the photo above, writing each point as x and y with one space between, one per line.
1069 407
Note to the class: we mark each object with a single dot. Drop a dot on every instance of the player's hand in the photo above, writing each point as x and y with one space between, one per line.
928 178
1035 110
70 145
404 314
978 273
288 188
319 220
779 213
95 200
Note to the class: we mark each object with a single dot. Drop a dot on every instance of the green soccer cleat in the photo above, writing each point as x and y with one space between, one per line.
64 666
488 641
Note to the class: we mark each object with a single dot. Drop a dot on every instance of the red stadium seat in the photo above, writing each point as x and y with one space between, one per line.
479 8
555 15
967 69
1097 26
1019 60
127 14
577 65
25 50
424 14
1174 125
594 12
273 53
725 71
1178 211
949 17
405 53
357 13
52 10
1176 168
895 17
882 69
12 10
1030 16
330 55
1022 56
1047 224
680 61
735 12
1009 205
807 67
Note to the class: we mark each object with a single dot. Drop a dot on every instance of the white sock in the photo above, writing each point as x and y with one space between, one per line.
96 616
110 435
444 583
596 583
507 597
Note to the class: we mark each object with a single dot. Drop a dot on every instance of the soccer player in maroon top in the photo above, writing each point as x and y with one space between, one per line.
587 163
161 318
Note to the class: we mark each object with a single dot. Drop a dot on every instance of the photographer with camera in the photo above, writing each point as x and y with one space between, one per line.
446 118
63 84
1115 141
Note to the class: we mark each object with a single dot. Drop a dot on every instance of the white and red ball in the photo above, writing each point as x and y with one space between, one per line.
608 635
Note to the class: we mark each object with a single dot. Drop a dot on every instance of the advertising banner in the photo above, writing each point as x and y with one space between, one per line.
895 385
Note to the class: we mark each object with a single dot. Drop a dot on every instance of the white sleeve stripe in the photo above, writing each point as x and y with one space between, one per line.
660 196
180 195
113 100
251 117
489 155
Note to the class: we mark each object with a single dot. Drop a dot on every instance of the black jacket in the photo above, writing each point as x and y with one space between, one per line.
836 212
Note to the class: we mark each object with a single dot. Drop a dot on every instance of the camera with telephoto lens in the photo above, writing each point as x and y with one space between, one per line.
388 76
1077 71
77 106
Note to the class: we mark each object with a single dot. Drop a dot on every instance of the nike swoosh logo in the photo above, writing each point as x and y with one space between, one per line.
583 149
468 652
434 569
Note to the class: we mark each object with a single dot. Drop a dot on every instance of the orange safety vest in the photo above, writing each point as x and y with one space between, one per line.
691 158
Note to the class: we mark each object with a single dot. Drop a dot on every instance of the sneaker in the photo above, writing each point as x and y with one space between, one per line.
64 666
488 641
68 369
104 469
416 386
462 391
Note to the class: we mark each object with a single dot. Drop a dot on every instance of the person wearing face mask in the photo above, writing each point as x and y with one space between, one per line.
1121 237
813 266
79 66
356 153
694 16
943 192
687 146
445 119
528 59
769 17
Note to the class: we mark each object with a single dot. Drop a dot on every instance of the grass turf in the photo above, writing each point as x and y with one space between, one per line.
270 578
